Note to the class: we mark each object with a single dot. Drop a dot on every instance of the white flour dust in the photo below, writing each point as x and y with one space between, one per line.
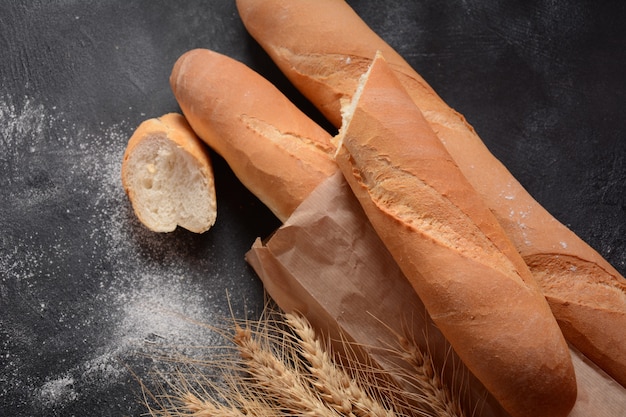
136 307
57 391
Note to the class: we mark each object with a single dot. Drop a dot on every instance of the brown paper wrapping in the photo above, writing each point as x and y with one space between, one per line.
327 263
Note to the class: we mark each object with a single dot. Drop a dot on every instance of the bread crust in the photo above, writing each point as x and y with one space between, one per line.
324 58
475 286
275 150
172 127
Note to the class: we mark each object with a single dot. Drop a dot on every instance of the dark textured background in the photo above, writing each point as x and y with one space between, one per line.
88 296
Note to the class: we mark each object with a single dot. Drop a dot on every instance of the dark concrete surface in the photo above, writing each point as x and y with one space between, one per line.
88 297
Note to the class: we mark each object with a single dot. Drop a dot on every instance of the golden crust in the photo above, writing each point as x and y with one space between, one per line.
276 151
473 283
324 57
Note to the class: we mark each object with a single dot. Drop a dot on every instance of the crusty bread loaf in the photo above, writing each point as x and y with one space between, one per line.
324 58
272 147
474 284
168 176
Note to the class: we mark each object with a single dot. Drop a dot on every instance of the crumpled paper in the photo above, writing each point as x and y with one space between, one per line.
327 263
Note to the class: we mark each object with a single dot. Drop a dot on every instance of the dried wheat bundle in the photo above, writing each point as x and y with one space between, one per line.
280 366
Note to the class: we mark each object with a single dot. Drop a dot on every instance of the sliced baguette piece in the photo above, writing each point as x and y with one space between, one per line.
324 58
475 286
168 176
274 149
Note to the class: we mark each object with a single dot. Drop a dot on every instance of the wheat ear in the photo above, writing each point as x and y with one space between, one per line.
288 388
431 389
191 395
280 367
334 384
197 407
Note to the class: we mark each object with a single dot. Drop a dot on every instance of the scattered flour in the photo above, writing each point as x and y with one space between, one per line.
57 391
153 307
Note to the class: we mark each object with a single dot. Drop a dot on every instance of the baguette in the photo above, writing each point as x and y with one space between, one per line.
275 150
474 284
168 176
241 95
324 58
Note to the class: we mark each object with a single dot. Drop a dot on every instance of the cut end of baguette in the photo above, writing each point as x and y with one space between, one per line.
168 176
348 106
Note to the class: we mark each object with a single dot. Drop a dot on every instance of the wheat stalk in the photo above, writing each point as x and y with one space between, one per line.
192 394
285 385
427 386
187 400
336 387
197 407
281 367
